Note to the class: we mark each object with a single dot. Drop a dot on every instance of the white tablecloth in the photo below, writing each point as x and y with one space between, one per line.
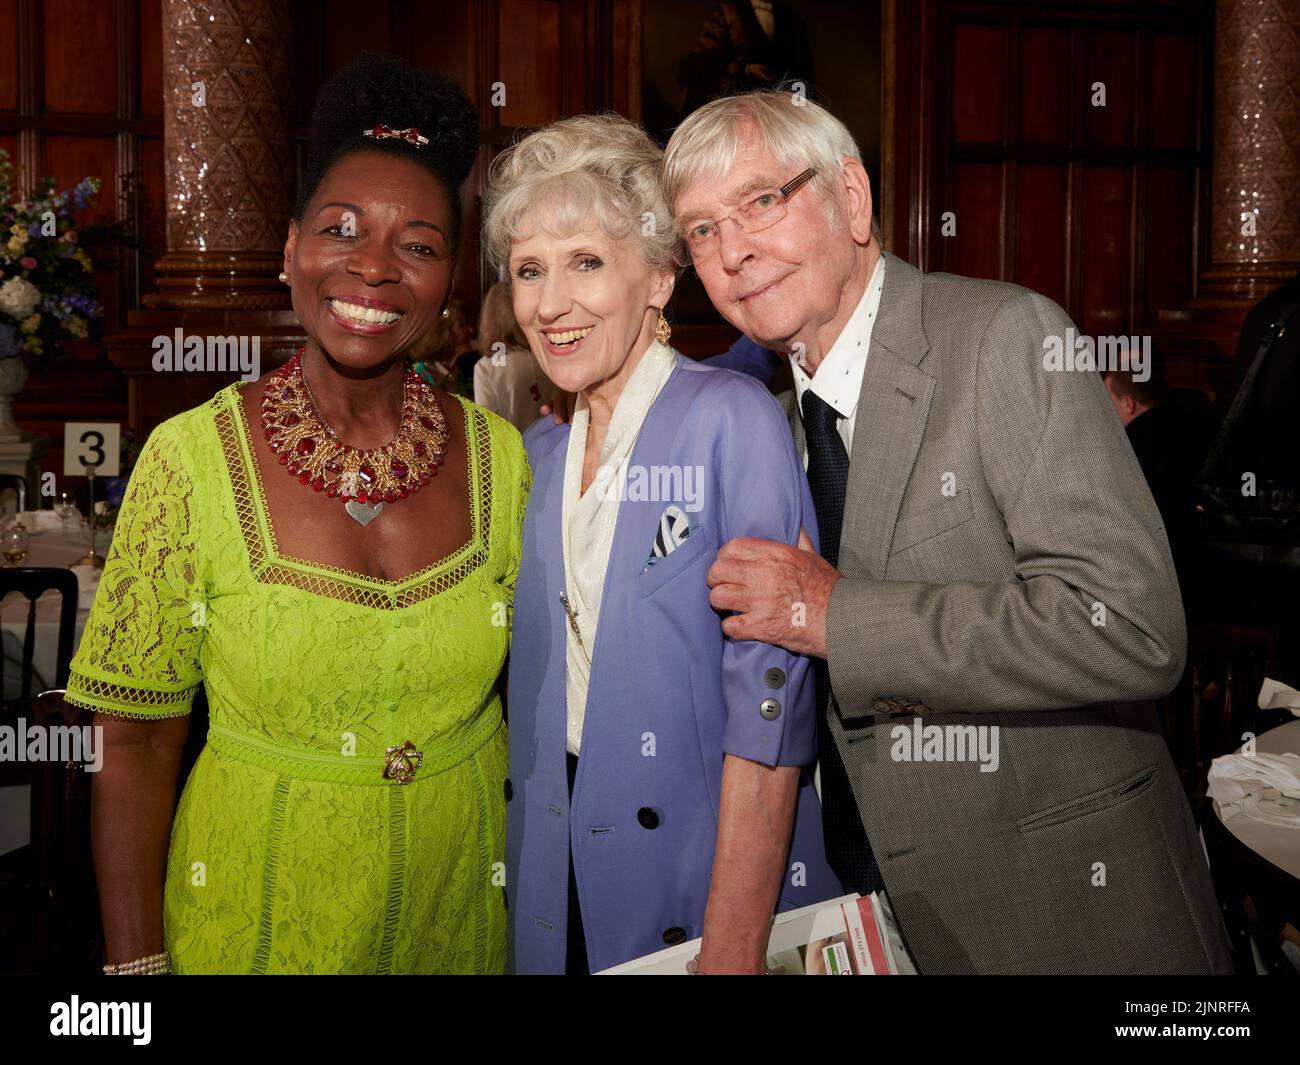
50 547
1278 844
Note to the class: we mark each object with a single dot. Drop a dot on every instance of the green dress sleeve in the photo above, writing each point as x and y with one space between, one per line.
521 481
139 654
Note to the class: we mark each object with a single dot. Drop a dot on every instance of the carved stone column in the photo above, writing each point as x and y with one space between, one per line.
229 159
1256 168
230 178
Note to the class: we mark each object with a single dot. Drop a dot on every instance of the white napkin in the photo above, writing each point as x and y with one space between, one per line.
41 521
88 584
1237 783
1274 695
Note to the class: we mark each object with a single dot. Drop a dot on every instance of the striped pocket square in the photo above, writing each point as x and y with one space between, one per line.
674 527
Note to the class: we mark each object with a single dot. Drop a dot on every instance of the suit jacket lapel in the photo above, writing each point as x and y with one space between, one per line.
791 405
892 410
635 526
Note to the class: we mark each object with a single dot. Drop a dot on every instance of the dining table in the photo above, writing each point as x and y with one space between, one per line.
59 543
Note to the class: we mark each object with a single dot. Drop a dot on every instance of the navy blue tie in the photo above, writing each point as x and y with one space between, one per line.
847 848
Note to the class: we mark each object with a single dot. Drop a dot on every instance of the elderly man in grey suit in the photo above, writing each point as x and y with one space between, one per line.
996 598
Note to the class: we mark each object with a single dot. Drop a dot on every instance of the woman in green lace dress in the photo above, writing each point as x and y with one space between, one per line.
288 546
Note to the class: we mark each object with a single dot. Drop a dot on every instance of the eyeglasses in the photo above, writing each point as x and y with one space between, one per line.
761 211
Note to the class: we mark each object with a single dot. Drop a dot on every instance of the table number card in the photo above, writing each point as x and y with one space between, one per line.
92 443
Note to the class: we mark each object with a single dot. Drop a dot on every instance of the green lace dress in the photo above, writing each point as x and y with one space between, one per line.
291 851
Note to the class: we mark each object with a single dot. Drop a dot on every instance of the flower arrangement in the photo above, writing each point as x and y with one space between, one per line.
47 283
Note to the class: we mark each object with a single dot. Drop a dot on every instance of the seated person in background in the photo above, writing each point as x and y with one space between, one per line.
1170 431
445 356
507 379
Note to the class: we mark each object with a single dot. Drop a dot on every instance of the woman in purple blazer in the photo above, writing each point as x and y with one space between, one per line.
657 789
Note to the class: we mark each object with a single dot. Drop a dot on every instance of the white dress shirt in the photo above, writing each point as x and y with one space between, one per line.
838 378
588 518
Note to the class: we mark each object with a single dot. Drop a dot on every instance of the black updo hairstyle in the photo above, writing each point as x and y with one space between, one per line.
377 90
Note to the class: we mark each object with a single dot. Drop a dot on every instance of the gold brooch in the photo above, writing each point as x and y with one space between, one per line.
400 763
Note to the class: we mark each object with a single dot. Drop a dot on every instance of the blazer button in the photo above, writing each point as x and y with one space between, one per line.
509 790
673 936
774 678
770 709
647 817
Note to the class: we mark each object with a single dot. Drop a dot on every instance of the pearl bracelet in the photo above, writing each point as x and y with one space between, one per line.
153 965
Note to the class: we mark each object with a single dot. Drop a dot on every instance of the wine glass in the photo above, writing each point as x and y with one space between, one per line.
65 506
13 544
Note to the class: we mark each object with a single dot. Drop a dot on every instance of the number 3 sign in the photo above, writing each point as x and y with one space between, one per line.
97 444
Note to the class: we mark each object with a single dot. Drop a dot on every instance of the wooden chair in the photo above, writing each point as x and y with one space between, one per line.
47 889
68 935
1216 701
32 583
53 883
46 881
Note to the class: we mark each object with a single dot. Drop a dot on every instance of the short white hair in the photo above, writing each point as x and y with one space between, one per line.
797 131
601 168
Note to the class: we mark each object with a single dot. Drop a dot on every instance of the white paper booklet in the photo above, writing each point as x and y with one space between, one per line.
838 937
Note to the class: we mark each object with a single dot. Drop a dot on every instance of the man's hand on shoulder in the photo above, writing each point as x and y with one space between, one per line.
778 594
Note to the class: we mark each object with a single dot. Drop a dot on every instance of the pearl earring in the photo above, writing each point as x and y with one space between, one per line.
284 278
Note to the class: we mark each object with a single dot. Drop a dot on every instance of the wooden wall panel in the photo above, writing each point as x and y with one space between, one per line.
451 51
1043 214
350 28
150 87
79 61
1111 60
1097 207
9 142
8 55
68 159
151 194
1044 94
1170 248
977 83
1106 271
528 56
976 248
1173 113
622 26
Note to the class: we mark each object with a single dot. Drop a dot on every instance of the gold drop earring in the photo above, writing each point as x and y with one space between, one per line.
663 330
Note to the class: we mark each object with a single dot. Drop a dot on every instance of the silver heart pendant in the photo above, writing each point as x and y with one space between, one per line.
362 513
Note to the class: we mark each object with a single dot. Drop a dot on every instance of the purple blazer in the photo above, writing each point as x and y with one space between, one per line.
669 693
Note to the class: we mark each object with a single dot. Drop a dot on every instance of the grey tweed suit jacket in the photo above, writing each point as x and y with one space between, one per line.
1004 565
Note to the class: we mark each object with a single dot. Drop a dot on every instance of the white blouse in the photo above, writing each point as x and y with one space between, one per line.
589 518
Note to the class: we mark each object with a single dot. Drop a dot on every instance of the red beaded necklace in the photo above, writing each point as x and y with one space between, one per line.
363 478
